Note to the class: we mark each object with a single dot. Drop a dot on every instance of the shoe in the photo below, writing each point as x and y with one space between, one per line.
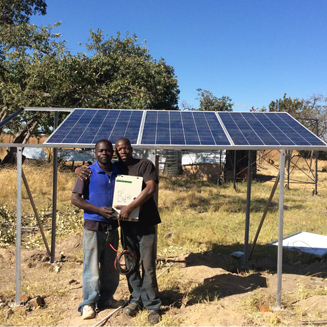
154 317
131 309
88 312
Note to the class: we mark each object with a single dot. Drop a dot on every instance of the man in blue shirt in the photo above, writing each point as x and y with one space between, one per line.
94 196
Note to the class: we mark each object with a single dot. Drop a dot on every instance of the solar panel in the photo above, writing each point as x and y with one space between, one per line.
185 129
182 128
267 129
87 126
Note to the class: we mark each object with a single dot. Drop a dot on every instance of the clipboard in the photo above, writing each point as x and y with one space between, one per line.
127 188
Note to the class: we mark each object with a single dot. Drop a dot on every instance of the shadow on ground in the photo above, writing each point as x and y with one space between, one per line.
234 277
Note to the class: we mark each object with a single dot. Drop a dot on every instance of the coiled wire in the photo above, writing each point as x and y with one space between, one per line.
130 261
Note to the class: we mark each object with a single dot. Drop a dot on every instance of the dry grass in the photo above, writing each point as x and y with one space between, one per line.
201 214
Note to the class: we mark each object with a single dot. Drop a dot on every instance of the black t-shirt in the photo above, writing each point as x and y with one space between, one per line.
149 214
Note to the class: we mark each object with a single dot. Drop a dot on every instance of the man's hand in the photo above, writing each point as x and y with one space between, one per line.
106 212
83 172
125 211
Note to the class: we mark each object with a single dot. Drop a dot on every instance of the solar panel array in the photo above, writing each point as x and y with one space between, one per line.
184 129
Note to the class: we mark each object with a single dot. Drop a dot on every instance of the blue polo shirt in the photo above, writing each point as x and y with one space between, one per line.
100 191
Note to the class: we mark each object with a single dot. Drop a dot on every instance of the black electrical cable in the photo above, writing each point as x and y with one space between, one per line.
130 261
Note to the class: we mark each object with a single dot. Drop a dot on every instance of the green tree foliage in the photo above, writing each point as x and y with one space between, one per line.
38 71
14 24
126 76
209 102
19 11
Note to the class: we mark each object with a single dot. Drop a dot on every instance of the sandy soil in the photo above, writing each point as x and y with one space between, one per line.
234 289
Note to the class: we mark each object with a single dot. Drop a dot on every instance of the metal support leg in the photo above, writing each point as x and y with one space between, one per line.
264 215
156 198
54 196
19 223
234 170
316 174
219 169
36 213
248 205
280 229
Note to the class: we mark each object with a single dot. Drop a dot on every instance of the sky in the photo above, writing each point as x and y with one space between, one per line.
251 51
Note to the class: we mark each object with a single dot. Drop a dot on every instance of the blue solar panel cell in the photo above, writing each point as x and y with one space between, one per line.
261 130
163 128
245 128
177 133
232 128
191 134
150 128
216 129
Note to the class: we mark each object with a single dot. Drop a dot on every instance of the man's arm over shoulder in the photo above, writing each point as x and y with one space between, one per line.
83 172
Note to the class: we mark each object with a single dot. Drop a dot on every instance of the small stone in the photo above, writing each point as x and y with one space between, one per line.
72 281
37 302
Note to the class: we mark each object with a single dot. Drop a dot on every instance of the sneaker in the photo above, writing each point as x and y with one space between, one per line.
131 309
154 317
88 312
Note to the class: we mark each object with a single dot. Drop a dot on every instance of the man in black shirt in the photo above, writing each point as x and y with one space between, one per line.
139 237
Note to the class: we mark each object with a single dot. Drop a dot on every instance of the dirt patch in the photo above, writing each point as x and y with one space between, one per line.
219 294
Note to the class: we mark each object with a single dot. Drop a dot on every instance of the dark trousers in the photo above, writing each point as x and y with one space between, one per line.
142 286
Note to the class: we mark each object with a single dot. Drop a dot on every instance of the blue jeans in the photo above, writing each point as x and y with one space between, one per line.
143 288
100 278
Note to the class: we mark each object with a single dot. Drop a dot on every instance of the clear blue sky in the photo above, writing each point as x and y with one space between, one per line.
252 51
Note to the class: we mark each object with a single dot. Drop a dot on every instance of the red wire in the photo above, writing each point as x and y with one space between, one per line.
124 252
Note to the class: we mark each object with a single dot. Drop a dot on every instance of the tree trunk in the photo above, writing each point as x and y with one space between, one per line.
3 115
20 137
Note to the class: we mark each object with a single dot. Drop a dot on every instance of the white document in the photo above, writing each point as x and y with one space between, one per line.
127 188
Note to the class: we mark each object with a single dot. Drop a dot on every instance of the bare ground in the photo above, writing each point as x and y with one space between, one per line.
218 296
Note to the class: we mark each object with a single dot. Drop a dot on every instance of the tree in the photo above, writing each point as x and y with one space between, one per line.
186 106
14 24
262 109
126 76
118 74
209 102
